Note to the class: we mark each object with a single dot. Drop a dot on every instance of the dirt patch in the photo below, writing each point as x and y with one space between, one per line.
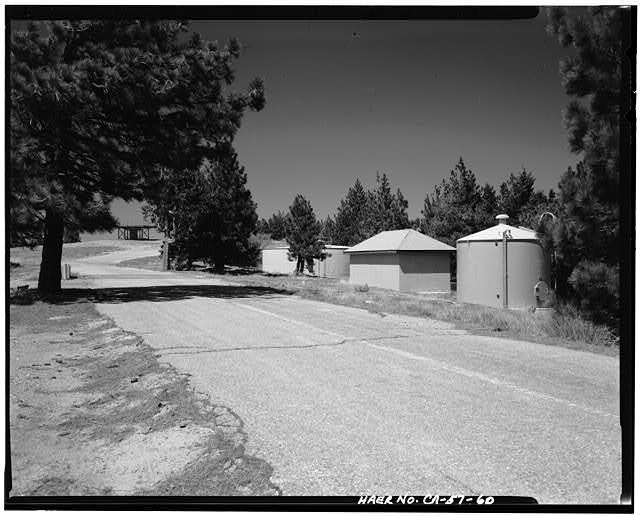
92 412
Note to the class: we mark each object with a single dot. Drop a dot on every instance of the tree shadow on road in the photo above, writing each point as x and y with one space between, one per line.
232 271
161 293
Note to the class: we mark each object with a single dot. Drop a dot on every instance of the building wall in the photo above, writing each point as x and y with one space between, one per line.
425 271
480 274
527 263
335 265
276 261
375 269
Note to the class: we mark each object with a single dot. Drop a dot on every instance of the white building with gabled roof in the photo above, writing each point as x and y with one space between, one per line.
402 259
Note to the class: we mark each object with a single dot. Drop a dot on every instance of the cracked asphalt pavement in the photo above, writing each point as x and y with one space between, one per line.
341 401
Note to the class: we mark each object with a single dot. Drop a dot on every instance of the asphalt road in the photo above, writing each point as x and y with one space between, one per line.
343 401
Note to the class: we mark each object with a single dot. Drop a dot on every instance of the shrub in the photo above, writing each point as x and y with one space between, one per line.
71 235
597 291
568 324
22 295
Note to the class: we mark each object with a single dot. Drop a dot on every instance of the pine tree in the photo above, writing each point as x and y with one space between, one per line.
232 214
99 109
381 205
212 212
278 225
328 230
515 194
262 226
587 233
303 234
388 211
399 213
353 223
455 208
486 210
530 215
364 213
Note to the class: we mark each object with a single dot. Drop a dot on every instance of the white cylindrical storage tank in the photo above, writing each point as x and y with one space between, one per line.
483 273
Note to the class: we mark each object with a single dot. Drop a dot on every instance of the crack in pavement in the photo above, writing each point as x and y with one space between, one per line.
250 348
204 350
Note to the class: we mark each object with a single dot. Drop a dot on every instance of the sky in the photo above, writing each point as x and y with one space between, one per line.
346 99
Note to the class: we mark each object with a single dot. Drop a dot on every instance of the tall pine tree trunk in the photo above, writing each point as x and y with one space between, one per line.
219 264
50 274
218 251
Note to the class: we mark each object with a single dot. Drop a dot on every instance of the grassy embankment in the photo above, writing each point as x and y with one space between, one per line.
565 328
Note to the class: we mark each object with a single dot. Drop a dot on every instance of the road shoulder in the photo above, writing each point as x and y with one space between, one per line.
93 412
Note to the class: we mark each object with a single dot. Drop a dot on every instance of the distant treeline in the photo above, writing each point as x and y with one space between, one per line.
459 206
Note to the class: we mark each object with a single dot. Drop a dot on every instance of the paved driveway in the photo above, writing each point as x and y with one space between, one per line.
343 401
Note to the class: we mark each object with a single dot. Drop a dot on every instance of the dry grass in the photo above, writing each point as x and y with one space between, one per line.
25 262
562 328
151 263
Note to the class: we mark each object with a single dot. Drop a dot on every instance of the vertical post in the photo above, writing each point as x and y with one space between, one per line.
165 249
505 282
165 254
555 272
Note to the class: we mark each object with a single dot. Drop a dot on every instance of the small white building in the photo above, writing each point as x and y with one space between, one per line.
276 260
335 264
403 260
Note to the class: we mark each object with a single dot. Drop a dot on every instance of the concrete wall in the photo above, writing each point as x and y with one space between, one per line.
479 272
425 271
335 265
375 269
275 261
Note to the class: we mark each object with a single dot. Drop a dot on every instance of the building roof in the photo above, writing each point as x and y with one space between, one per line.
284 245
399 240
495 233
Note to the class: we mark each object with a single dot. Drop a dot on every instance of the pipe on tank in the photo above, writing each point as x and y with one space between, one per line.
505 286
